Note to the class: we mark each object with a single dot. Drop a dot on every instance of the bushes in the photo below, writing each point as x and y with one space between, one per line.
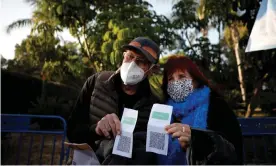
51 106
18 90
24 94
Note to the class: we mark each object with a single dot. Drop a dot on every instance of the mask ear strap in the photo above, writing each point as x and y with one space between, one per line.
150 68
118 70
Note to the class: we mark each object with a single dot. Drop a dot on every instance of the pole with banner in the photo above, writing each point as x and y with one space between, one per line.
263 34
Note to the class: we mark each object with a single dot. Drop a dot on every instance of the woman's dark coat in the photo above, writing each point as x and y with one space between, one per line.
221 143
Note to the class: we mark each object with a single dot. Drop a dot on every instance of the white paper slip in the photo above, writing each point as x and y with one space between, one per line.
83 154
157 138
123 144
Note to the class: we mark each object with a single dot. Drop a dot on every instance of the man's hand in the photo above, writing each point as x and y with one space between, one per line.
107 124
180 131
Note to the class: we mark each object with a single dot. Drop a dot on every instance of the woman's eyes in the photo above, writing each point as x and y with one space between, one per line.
182 76
178 77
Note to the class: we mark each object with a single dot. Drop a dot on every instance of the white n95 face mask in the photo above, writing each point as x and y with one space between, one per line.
131 73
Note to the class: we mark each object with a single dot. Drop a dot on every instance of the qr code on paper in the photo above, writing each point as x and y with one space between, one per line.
124 144
157 140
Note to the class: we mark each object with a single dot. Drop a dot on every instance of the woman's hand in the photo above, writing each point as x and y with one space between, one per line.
180 131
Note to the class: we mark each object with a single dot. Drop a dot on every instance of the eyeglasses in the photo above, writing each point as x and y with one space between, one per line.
142 62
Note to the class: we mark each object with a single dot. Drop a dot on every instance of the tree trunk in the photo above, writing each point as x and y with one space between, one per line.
85 42
256 92
235 39
219 46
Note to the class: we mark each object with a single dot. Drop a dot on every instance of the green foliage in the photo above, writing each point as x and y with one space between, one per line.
18 23
184 15
118 44
107 47
112 58
102 27
121 23
243 33
156 83
118 57
107 36
49 70
4 62
124 34
59 10
43 57
163 60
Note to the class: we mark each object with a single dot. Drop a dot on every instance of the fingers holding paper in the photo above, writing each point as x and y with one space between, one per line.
109 123
114 123
102 128
180 131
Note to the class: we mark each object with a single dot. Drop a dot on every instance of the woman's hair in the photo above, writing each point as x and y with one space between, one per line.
182 63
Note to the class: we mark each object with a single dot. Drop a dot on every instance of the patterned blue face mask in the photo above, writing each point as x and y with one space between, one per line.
178 90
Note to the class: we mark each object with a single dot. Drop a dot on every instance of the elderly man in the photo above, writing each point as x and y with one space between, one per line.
96 117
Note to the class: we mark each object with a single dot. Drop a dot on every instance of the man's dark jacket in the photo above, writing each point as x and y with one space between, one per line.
98 97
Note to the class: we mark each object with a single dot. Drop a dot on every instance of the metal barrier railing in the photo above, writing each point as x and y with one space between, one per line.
21 124
259 135
254 129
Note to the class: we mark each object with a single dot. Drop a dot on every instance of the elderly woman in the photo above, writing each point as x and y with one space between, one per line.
203 130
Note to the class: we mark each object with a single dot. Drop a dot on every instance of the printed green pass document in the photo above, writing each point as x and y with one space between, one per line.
124 143
160 115
129 120
157 138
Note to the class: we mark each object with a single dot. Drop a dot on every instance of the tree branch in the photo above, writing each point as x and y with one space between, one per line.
19 24
190 43
79 40
256 92
85 40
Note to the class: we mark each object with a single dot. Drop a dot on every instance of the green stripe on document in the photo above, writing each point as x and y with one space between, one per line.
160 115
129 120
